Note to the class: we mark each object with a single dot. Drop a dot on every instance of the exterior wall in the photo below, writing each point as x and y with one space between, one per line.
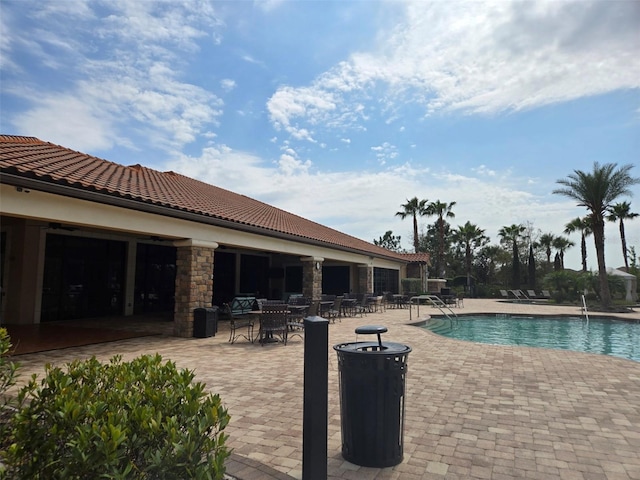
194 283
27 213
83 213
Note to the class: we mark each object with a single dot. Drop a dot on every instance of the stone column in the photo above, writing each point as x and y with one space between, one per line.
365 278
312 277
194 282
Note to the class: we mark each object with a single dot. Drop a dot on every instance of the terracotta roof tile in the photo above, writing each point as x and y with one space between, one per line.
34 158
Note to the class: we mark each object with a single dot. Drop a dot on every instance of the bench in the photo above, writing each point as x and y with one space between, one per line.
240 311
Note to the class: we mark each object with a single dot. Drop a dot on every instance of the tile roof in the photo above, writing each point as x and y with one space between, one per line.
32 158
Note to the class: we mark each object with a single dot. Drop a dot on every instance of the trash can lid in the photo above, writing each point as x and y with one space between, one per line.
370 329
372 348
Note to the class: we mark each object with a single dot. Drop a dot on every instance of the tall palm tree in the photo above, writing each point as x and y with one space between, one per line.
561 244
440 210
618 213
546 241
510 236
582 225
470 237
597 190
413 208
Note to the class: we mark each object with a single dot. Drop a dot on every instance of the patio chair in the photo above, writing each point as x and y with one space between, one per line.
240 324
298 307
314 306
335 311
363 306
378 304
460 300
273 323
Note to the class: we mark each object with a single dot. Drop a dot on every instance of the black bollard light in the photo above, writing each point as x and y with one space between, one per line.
316 390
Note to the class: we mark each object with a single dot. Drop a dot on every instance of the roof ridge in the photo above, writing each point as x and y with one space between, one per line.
20 139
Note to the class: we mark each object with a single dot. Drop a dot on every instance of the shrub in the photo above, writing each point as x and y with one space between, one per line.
142 419
412 285
8 374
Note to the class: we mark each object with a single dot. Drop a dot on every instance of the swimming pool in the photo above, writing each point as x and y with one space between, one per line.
600 335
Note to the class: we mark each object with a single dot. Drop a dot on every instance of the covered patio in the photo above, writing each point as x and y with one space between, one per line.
472 410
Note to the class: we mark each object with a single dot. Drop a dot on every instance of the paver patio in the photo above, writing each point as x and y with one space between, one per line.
472 410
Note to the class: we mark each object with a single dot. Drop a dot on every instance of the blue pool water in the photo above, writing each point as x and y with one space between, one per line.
600 335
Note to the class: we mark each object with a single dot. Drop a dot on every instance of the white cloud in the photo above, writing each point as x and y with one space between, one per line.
359 202
476 57
228 84
67 121
134 74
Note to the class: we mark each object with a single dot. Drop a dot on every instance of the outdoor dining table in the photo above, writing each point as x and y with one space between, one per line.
398 300
298 310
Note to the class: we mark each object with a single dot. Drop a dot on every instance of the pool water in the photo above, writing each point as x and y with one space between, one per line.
600 335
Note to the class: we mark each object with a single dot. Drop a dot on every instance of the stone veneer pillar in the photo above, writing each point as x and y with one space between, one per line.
194 282
365 279
312 277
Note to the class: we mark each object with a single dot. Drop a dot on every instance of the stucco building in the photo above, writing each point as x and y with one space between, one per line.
83 237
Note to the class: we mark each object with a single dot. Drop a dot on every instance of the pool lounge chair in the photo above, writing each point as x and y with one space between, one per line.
520 295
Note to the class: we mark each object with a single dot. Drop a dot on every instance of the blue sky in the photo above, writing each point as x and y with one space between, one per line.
339 111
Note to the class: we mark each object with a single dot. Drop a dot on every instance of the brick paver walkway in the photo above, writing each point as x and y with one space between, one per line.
472 410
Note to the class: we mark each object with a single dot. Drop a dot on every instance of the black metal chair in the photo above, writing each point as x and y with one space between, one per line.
335 311
241 325
273 323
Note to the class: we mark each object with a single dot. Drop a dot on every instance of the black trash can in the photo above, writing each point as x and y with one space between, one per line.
372 388
205 322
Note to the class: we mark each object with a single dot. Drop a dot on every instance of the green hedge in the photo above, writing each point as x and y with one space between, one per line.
142 419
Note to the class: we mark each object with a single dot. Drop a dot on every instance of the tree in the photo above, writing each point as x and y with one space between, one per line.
618 213
546 241
597 190
510 236
389 241
582 225
470 237
413 208
561 244
440 210
487 260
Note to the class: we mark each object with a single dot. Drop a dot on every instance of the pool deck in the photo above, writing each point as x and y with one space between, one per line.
472 410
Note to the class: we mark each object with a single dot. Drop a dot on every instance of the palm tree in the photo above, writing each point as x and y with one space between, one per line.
413 208
561 244
441 210
546 241
470 237
618 213
597 191
510 235
582 225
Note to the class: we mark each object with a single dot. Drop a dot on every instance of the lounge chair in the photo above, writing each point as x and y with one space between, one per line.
520 295
504 294
532 294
